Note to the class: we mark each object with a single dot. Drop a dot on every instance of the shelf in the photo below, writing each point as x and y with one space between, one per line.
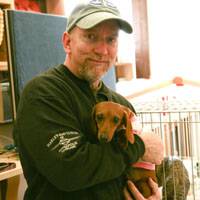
12 172
6 3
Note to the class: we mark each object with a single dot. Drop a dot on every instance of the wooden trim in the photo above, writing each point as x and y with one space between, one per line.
1 105
149 89
141 38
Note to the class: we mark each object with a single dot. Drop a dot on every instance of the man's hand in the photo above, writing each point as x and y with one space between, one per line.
137 195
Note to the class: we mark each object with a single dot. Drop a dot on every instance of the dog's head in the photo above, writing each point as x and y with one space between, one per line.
111 118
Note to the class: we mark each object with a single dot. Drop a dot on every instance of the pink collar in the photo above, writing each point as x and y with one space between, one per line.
144 165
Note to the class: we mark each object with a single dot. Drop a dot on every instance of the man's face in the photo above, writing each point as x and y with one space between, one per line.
93 51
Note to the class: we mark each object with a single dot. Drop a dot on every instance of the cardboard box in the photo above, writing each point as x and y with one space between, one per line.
5 103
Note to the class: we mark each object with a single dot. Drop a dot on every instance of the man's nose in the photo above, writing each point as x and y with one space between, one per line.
101 48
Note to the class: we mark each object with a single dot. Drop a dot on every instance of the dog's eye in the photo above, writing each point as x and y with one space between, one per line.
115 120
99 118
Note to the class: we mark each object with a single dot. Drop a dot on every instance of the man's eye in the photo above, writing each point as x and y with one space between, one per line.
91 37
112 40
115 119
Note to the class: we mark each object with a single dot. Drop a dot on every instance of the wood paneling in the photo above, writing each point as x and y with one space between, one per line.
141 38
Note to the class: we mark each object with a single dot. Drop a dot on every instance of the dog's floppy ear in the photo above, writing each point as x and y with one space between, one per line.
93 112
94 123
128 115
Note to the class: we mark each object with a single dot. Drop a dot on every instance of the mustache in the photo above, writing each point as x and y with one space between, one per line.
98 57
103 60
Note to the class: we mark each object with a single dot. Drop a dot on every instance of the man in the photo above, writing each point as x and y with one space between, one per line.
59 153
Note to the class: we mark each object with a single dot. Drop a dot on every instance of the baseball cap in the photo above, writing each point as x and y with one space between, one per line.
88 15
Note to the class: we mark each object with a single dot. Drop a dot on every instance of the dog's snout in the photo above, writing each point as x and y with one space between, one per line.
103 138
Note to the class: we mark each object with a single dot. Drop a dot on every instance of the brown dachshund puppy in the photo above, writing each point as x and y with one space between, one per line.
112 118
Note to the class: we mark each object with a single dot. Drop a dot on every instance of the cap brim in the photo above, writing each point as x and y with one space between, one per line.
95 18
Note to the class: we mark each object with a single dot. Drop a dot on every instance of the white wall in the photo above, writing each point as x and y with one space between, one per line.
174 37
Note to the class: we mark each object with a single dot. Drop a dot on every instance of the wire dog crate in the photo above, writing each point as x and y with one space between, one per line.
173 112
179 128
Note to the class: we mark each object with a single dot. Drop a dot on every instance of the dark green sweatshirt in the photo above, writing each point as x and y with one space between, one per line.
60 156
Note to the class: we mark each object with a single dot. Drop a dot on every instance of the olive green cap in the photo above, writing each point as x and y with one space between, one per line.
86 16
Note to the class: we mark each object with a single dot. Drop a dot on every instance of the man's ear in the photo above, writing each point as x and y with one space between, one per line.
66 42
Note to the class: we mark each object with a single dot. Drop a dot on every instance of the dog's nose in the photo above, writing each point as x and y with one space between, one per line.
103 138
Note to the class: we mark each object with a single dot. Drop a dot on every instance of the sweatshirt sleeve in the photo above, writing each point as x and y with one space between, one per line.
134 151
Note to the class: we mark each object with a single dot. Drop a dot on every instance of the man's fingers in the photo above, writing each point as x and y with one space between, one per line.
153 185
155 190
127 194
135 191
